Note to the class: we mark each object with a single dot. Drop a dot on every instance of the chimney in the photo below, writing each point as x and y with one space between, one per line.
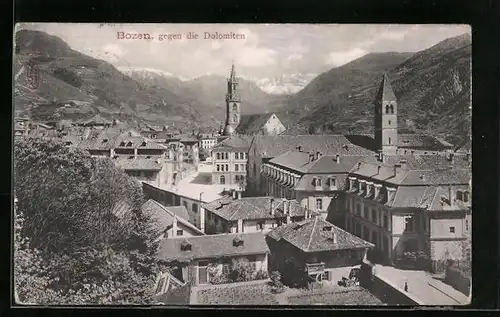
271 211
299 148
334 237
403 164
234 193
359 165
174 227
450 196
285 206
318 155
378 169
450 157
337 158
311 157
377 189
397 169
422 177
238 194
380 156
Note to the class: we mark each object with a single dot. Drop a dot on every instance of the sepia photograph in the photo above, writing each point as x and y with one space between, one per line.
242 164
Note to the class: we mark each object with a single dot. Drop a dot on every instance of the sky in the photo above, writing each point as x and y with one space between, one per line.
262 50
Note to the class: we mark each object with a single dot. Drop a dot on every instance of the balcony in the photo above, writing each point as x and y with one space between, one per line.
315 268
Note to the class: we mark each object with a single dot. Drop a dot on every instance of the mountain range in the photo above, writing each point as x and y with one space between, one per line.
433 88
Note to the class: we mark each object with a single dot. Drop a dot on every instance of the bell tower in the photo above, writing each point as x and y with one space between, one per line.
386 118
233 103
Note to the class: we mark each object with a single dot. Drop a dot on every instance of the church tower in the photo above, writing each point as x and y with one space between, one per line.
233 103
386 118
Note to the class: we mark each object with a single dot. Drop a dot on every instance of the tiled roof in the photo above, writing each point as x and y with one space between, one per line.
163 216
252 123
138 164
465 146
272 146
411 197
385 91
188 139
212 246
311 235
241 142
121 209
440 204
72 140
180 295
97 119
423 142
248 208
414 177
136 142
299 161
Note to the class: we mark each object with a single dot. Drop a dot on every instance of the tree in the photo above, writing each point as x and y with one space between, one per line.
81 236
68 197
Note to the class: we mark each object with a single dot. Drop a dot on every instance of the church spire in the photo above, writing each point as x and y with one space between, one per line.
385 92
232 103
232 75
386 118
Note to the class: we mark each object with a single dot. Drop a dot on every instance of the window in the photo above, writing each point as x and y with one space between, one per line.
243 167
365 213
392 109
237 178
254 169
317 182
180 232
225 268
260 225
325 276
319 204
389 122
374 215
218 168
466 225
452 229
218 155
227 167
333 182
387 109
235 118
374 237
386 222
236 167
161 284
459 195
389 140
409 223
235 107
242 178
222 180
194 207
185 204
358 213
466 196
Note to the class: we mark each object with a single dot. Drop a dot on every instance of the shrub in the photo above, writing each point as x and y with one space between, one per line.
276 283
242 270
261 275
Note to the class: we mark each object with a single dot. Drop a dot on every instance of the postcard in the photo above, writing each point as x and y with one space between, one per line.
242 164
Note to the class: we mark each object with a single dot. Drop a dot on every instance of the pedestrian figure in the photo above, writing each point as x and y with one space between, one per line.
406 287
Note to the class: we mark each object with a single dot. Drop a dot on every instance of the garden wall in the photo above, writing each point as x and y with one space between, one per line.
384 290
457 280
